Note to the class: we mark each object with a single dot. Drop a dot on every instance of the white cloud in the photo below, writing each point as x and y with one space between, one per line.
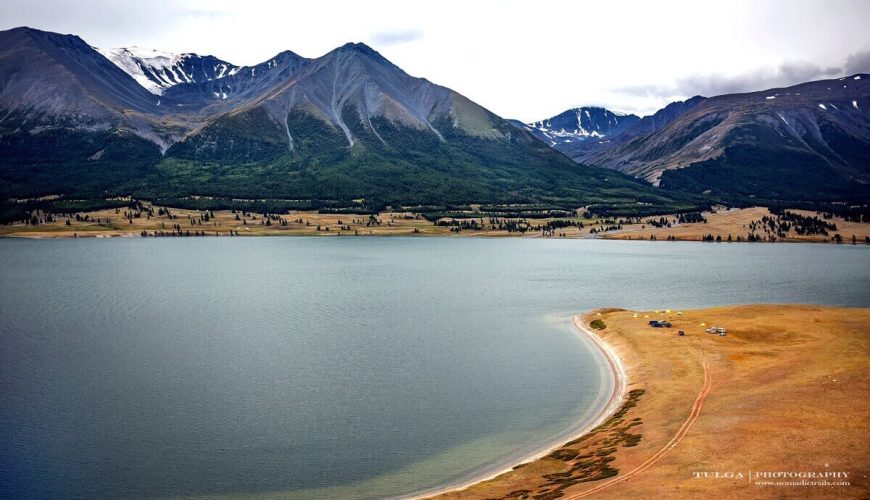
385 38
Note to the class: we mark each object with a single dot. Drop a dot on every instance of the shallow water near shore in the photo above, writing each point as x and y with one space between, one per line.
332 367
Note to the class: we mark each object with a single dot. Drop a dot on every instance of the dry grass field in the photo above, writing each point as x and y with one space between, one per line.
787 390
113 223
736 222
109 223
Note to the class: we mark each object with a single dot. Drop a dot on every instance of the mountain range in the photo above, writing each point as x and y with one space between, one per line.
351 129
808 142
343 129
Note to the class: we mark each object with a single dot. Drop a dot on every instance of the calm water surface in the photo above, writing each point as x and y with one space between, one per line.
331 367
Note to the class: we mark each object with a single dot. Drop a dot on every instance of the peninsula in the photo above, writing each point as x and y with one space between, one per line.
777 407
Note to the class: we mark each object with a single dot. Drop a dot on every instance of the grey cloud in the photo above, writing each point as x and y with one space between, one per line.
94 21
787 73
858 62
396 37
713 84
646 90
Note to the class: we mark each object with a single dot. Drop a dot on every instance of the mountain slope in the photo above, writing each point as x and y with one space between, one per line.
236 88
70 120
156 71
355 79
583 151
806 142
48 74
353 125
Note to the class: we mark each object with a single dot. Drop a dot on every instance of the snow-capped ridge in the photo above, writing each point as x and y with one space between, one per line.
581 123
157 70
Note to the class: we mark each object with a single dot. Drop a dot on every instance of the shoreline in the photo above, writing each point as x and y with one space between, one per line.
695 399
614 401
129 235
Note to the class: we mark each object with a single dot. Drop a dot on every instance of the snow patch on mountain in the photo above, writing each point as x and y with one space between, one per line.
580 124
156 70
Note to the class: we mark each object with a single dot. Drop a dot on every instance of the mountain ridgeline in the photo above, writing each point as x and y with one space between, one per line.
157 71
575 126
348 129
803 144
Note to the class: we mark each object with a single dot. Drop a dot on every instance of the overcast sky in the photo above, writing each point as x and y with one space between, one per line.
521 59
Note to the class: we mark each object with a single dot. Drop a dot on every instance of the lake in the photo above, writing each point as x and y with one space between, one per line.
332 367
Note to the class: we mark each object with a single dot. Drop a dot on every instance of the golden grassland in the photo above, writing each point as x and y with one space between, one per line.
112 223
735 222
787 390
223 222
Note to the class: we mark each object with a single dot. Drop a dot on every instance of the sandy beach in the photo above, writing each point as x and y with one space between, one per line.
778 407
618 380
